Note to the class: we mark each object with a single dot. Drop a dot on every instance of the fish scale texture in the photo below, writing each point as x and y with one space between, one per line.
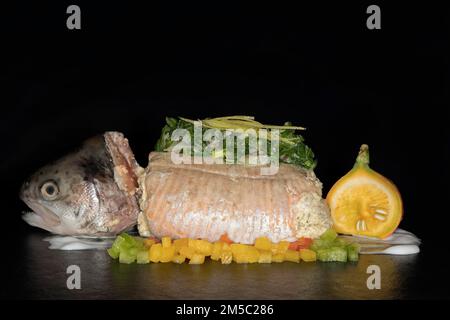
206 201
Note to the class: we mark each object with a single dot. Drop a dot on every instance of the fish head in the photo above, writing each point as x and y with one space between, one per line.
91 192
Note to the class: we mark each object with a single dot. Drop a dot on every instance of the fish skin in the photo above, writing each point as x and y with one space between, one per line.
202 201
102 191
97 190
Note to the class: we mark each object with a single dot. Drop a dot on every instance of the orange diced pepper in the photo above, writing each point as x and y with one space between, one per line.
301 243
224 238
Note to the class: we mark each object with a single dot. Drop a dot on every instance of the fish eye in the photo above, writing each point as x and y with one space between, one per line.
50 190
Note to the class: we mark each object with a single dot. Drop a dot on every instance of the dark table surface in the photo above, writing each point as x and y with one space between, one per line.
35 272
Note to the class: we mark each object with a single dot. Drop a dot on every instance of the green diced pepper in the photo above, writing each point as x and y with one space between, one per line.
329 235
332 254
127 256
320 244
113 252
127 248
129 240
143 257
338 242
353 252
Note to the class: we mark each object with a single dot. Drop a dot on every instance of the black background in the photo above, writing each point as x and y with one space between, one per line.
315 65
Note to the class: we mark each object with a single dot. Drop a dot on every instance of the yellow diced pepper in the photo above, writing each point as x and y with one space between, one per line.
308 255
292 256
240 258
167 254
278 257
155 252
166 242
217 250
217 247
188 252
265 256
238 251
263 243
226 247
192 243
274 248
226 257
149 242
244 253
252 254
179 243
178 259
280 247
204 247
238 248
197 259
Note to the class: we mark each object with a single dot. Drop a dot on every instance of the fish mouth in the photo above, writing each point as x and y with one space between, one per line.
41 216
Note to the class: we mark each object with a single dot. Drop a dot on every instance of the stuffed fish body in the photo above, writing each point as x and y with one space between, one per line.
208 200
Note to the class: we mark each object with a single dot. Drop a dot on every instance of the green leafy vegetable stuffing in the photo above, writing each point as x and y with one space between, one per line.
292 148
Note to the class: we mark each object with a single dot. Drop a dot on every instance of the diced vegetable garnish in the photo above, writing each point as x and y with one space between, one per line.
265 256
166 242
353 252
216 250
244 253
332 254
331 248
320 244
278 257
302 243
329 235
292 256
338 242
149 242
167 254
155 252
113 252
328 247
252 254
127 238
263 243
179 243
283 246
204 247
143 256
188 252
224 238
307 255
178 259
226 257
127 256
197 259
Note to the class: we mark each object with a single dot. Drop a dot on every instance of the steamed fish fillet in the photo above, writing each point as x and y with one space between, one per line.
207 201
